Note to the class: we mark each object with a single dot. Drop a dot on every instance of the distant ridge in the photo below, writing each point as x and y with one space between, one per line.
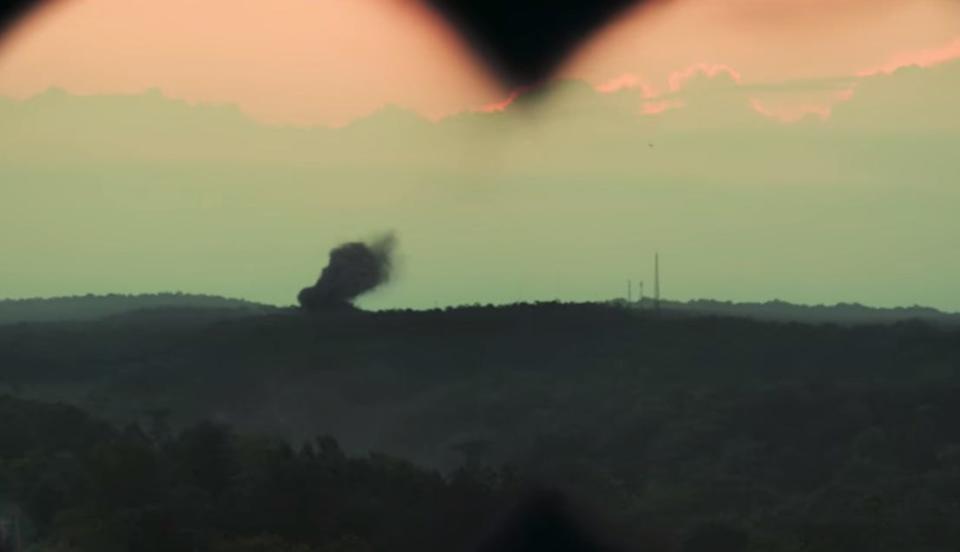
782 311
93 307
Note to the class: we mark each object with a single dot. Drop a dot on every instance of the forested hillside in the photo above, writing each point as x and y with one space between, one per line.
828 437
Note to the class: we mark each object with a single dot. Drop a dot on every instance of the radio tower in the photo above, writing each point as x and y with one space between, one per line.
629 291
656 281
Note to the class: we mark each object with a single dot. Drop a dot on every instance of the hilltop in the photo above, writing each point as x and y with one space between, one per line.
92 307
782 311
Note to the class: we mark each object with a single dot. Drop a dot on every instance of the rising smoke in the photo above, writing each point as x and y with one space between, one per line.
355 268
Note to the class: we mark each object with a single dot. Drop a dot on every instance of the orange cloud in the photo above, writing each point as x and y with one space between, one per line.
916 58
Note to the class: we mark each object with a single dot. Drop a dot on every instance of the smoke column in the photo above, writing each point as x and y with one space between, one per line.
355 268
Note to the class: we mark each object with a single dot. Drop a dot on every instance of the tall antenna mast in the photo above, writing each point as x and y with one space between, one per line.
656 281
629 291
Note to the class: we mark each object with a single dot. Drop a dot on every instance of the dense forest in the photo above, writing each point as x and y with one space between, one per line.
679 431
80 484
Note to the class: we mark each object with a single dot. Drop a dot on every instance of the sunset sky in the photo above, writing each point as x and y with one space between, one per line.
308 62
802 150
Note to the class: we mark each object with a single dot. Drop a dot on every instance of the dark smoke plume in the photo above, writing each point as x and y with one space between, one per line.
354 269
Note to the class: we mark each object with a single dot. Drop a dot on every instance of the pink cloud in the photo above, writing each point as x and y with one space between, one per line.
678 79
916 58
844 95
658 107
626 81
793 112
785 108
502 105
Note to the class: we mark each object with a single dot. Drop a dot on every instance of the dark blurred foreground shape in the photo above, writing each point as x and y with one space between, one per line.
547 521
543 522
524 41
12 10
715 537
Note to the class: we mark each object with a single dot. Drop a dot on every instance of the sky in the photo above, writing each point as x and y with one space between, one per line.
796 150
300 62
304 62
